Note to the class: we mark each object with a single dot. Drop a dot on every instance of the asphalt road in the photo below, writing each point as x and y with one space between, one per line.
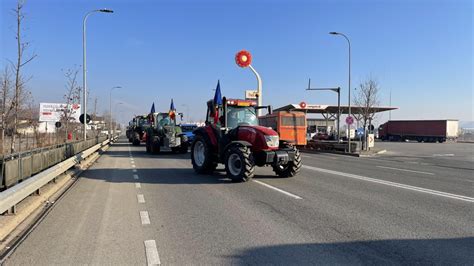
402 208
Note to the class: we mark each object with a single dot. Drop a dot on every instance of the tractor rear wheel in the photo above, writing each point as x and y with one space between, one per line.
201 156
148 146
239 164
136 139
289 169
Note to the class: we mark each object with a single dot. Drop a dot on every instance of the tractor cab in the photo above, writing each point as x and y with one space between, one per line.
139 125
233 113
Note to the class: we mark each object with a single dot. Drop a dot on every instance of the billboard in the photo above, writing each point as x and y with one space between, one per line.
250 95
53 112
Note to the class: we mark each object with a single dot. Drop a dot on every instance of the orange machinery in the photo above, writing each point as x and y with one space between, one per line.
290 125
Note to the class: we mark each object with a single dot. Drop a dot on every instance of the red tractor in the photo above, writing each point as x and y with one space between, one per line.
233 137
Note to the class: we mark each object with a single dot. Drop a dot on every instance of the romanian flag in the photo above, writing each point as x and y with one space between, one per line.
152 110
172 112
217 102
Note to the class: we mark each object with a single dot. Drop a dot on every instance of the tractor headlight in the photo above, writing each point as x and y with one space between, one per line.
272 141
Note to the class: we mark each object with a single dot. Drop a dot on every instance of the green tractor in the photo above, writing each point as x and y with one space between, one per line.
165 135
137 129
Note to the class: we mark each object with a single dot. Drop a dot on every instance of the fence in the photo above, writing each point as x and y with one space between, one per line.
17 167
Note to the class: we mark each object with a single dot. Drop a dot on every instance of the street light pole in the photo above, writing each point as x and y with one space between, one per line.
113 132
338 91
84 66
349 86
110 106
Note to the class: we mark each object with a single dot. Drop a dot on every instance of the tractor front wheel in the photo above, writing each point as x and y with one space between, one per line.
136 140
289 169
201 156
239 164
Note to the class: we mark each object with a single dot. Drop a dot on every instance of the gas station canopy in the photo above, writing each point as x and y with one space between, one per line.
330 111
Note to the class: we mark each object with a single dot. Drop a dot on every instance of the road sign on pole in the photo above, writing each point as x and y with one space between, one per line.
349 120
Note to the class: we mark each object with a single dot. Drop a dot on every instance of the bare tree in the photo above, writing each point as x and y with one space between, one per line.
6 104
20 63
367 97
72 97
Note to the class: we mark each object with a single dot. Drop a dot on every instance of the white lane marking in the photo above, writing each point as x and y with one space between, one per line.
277 189
140 198
144 217
134 170
393 184
152 256
133 166
443 155
138 185
404 170
135 176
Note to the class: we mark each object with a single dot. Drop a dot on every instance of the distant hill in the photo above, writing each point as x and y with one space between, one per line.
466 124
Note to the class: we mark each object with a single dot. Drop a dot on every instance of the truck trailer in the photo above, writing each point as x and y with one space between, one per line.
420 130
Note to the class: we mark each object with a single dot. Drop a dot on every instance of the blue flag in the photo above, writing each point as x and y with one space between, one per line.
152 108
172 106
218 95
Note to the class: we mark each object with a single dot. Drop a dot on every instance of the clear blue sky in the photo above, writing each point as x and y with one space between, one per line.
420 50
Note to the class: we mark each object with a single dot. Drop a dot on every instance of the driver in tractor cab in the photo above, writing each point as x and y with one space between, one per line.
240 117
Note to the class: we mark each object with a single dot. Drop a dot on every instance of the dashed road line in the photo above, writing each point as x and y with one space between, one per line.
138 185
277 189
144 217
404 170
152 256
134 170
393 184
135 177
140 198
133 166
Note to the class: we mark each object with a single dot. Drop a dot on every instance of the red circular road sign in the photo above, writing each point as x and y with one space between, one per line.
243 58
349 120
303 105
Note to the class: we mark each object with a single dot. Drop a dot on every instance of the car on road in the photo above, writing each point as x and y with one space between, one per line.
188 129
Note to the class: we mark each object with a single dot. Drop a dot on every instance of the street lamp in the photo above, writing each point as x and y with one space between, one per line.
110 118
115 107
84 67
349 86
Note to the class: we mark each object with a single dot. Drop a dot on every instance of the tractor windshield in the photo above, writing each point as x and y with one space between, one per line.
143 122
240 116
165 120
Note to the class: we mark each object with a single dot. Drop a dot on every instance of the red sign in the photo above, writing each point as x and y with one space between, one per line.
349 120
303 105
243 58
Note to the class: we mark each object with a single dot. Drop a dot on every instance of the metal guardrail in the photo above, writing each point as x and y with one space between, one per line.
18 167
12 196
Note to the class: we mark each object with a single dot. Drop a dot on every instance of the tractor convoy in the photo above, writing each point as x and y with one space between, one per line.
231 136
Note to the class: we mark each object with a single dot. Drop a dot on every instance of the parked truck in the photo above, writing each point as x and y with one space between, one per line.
419 130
